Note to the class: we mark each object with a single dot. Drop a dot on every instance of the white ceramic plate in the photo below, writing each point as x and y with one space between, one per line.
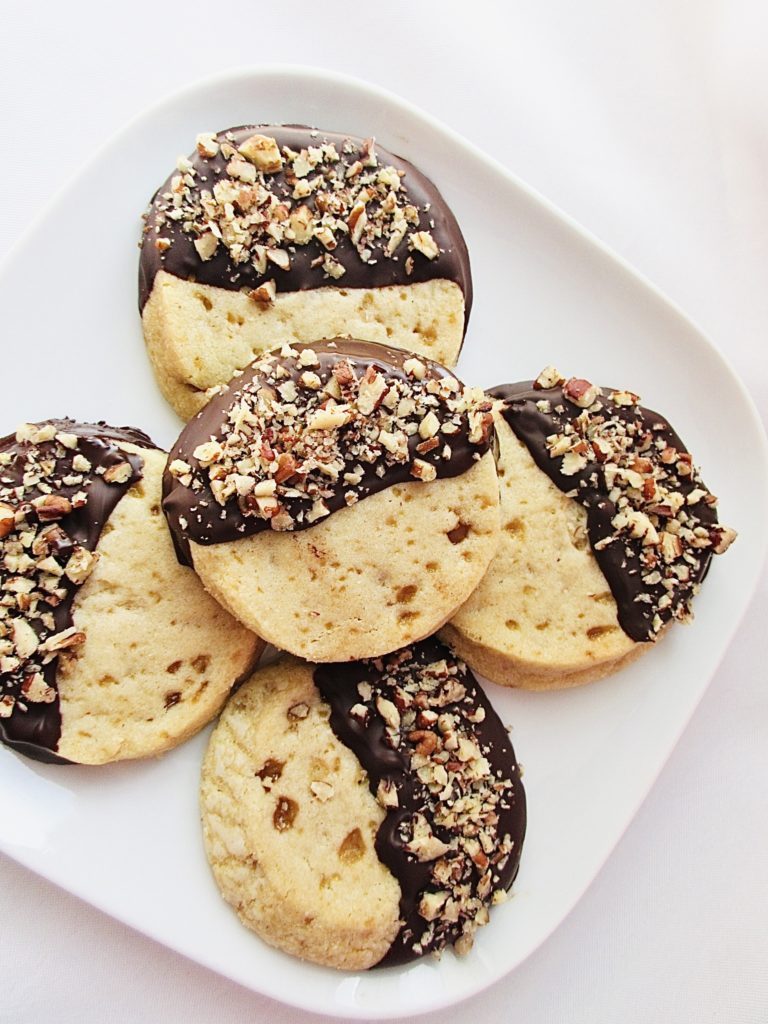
126 838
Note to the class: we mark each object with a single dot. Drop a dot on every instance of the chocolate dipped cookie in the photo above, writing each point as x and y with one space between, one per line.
109 649
364 813
607 533
273 234
340 500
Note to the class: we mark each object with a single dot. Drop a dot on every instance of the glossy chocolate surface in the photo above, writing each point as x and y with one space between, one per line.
182 260
196 516
36 730
368 739
620 561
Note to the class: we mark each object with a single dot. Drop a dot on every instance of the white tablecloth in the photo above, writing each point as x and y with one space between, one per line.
648 123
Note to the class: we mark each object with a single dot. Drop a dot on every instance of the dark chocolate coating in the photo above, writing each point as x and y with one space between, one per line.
337 684
210 523
36 731
619 561
182 260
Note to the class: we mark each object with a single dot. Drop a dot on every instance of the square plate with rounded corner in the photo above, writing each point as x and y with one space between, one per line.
126 837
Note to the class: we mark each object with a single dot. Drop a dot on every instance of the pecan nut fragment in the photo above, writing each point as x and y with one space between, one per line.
50 507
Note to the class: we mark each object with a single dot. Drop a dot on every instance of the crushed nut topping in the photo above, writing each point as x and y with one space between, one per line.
258 202
45 481
455 811
308 431
650 516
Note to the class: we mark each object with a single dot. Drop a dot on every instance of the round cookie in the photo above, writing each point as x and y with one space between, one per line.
340 500
364 813
607 532
271 234
109 649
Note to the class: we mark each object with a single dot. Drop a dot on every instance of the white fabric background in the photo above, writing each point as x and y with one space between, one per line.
648 123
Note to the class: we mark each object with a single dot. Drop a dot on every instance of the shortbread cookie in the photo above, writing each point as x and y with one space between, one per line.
109 649
363 813
267 235
340 500
607 531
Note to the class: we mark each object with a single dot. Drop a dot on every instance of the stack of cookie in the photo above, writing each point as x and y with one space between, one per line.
341 494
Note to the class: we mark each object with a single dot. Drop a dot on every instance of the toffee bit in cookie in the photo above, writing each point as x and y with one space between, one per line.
310 430
439 762
651 520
